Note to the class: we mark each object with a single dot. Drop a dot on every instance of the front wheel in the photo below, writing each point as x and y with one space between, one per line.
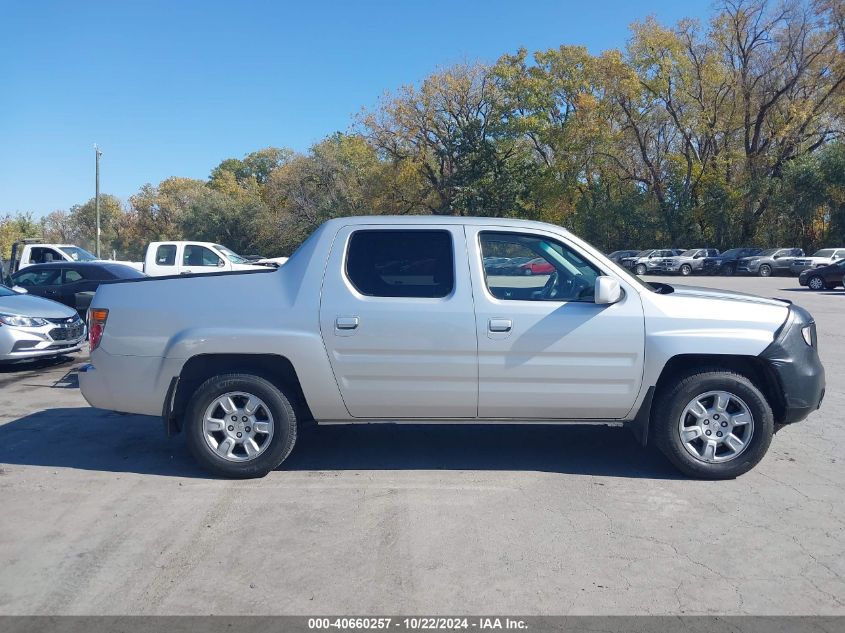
765 271
686 270
713 424
640 269
728 270
240 426
815 283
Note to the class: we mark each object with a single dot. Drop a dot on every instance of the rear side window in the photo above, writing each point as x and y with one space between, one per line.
166 255
389 263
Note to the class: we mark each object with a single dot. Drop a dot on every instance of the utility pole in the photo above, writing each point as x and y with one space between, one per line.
97 154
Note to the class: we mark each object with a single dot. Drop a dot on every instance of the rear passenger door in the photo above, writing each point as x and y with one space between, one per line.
397 319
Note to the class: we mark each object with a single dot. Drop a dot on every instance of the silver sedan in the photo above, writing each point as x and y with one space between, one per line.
32 327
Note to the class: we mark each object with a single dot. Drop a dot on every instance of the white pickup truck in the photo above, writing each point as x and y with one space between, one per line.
33 251
394 319
186 258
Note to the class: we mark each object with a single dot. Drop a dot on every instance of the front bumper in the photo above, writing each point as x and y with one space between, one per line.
797 367
25 343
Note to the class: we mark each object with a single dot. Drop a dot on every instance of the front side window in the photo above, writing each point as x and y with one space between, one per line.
552 272
166 255
196 255
390 263
43 277
78 254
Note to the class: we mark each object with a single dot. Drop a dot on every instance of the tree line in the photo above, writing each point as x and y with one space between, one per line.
723 134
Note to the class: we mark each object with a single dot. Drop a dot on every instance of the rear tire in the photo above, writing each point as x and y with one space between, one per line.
672 412
280 434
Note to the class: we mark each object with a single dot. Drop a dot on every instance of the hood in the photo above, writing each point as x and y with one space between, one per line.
725 295
32 306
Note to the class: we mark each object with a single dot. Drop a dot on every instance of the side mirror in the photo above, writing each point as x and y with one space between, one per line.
20 291
607 291
220 263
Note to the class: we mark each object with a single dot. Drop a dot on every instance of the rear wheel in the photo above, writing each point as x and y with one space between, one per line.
815 283
713 424
240 426
686 270
765 271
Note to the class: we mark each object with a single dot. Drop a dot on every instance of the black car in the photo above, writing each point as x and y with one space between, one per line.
617 256
726 263
823 277
71 283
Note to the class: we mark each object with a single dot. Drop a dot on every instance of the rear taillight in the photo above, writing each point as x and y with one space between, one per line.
96 325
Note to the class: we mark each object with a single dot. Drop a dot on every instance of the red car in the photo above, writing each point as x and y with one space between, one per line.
538 266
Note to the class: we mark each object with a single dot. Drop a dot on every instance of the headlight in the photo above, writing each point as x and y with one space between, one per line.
809 333
22 321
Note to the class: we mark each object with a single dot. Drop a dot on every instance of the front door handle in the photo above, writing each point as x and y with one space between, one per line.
346 322
500 325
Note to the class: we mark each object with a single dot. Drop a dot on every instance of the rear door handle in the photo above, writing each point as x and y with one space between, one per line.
346 322
500 325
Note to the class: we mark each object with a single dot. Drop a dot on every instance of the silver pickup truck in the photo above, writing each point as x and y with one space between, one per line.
394 319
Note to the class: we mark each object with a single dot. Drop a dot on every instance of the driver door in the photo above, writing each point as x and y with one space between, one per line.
545 349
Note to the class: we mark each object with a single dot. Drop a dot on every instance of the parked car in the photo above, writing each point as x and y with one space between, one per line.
618 256
184 258
71 283
770 262
652 261
33 251
823 277
726 263
820 258
706 374
33 327
537 266
629 261
689 262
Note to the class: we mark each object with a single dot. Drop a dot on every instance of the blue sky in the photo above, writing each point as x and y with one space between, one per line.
170 88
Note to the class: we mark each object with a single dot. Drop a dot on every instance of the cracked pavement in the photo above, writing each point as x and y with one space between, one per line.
102 514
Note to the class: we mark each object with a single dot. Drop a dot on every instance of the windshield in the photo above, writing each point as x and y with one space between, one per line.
825 252
690 253
767 252
78 254
231 255
6 292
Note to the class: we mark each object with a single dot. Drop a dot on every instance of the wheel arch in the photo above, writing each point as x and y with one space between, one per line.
275 368
752 367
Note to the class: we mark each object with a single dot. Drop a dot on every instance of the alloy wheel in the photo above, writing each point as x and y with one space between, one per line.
816 283
238 426
716 427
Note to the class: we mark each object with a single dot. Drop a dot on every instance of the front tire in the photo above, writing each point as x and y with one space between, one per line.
765 271
640 269
728 270
815 283
240 426
686 270
694 408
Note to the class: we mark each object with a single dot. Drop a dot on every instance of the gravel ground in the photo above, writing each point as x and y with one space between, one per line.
102 514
